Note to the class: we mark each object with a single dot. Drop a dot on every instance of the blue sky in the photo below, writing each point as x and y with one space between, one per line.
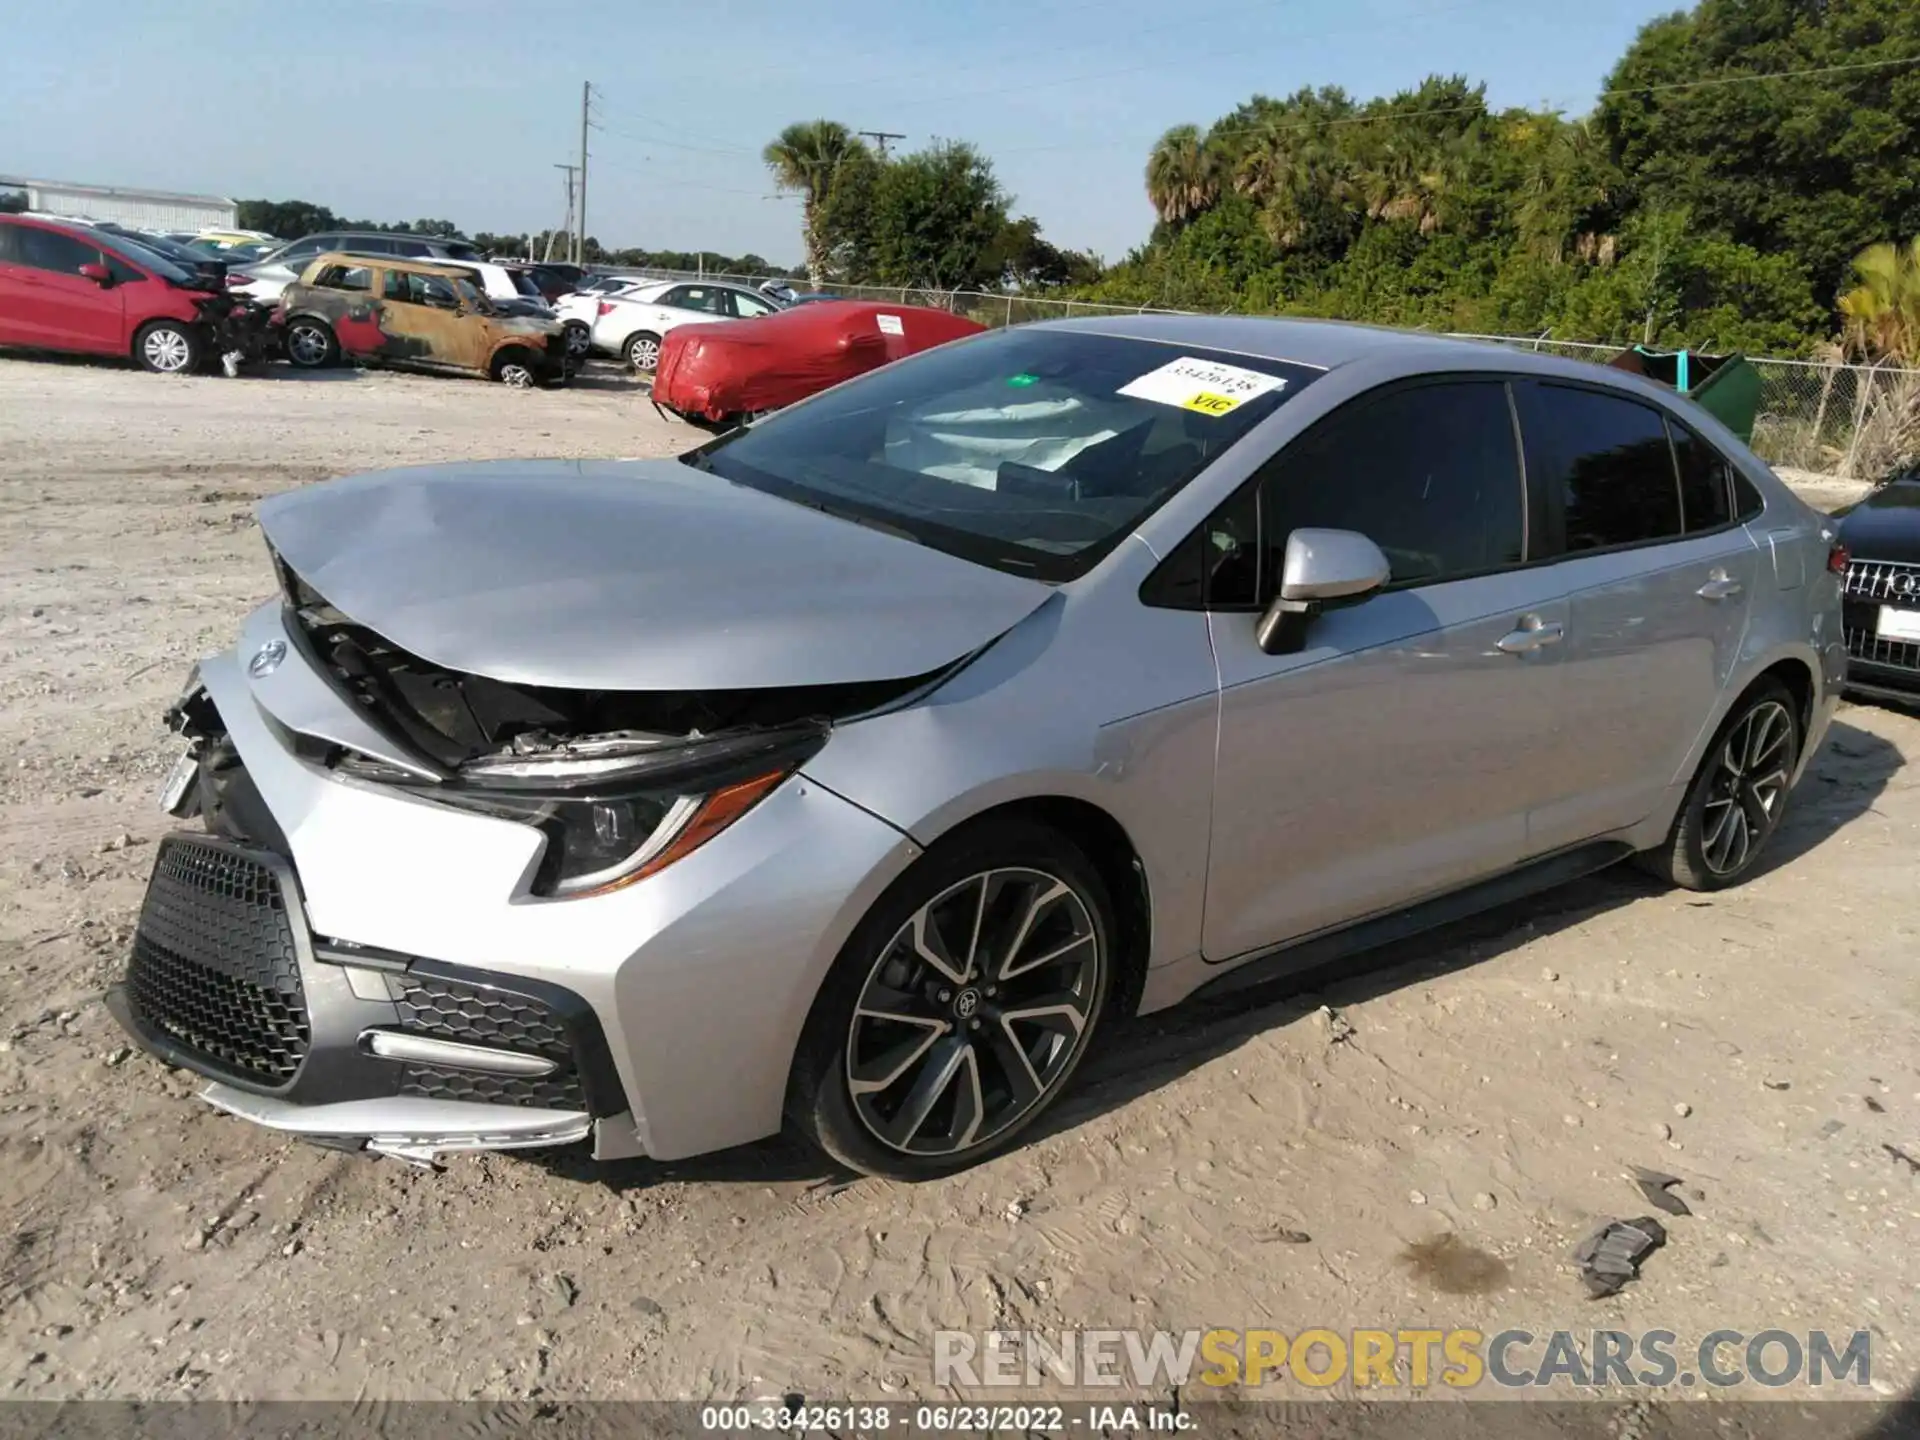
404 109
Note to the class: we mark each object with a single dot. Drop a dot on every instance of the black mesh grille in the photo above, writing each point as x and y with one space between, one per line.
558 1091
475 1015
214 968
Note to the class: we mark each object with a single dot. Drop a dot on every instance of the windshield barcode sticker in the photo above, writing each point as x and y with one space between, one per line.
1205 386
890 325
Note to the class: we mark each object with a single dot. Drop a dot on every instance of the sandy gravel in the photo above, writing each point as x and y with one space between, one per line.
1258 1163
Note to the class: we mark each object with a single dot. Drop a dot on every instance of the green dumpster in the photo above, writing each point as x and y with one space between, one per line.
1726 386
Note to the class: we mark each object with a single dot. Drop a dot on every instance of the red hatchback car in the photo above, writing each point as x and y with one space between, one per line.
68 287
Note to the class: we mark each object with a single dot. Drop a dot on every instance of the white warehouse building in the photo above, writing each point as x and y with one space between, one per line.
136 209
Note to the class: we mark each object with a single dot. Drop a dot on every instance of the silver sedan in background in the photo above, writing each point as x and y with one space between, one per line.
860 768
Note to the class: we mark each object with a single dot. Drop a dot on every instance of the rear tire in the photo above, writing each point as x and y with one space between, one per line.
168 347
1737 797
579 339
310 343
960 1007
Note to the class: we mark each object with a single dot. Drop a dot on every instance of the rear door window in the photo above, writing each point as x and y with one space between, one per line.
1608 467
1431 474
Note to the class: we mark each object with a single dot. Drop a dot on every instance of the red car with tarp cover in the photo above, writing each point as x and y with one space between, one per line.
717 372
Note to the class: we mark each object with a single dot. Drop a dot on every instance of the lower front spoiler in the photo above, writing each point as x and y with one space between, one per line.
407 1127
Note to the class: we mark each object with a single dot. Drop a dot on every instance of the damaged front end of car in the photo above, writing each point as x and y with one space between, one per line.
359 1047
621 784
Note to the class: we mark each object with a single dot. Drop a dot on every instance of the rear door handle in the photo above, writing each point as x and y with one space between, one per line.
1719 586
1532 635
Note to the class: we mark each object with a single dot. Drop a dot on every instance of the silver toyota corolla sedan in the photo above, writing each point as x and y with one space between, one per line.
858 769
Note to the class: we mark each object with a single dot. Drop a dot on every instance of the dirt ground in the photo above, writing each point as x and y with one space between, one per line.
1260 1163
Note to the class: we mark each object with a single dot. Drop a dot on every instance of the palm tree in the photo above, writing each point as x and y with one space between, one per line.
804 157
1182 175
1880 316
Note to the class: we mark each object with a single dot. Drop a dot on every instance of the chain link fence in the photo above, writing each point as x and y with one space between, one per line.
1852 421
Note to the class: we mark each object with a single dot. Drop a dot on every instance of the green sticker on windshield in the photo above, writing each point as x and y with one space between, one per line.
1023 379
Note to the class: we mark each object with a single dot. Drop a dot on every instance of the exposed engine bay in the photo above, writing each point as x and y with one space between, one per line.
456 719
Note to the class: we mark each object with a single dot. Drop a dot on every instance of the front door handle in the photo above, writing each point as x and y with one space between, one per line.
1719 586
1533 634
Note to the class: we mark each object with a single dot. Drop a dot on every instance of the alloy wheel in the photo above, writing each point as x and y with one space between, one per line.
1744 795
645 354
306 345
166 350
518 376
579 339
974 1012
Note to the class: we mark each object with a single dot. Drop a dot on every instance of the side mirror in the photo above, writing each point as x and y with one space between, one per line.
1323 569
97 273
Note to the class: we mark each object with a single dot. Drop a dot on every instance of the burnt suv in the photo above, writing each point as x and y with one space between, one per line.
377 309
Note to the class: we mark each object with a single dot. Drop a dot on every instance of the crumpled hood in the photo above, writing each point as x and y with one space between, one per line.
632 575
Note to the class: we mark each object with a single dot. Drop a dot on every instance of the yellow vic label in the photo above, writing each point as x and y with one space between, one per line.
1208 403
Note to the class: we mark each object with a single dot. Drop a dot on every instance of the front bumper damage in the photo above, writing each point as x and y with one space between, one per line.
350 961
354 1048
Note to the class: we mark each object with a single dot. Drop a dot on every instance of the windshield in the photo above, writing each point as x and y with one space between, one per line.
1033 451
470 293
152 260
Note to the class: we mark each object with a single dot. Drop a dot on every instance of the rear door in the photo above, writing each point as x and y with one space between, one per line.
1660 576
54 304
1398 754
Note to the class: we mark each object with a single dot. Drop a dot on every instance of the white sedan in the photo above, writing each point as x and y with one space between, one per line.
630 324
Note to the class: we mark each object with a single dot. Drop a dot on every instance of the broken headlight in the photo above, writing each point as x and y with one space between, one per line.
618 810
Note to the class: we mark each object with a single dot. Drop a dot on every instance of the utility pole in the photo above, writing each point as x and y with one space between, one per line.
880 139
580 212
566 225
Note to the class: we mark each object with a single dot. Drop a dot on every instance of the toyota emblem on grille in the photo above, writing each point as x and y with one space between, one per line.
267 658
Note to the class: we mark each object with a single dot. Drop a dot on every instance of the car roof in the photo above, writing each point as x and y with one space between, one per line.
1322 344
449 269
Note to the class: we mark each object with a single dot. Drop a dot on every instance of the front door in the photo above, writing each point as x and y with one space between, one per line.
1660 576
423 323
1398 754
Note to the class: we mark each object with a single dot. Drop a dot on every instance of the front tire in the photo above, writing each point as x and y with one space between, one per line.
1737 797
960 1007
168 347
514 368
